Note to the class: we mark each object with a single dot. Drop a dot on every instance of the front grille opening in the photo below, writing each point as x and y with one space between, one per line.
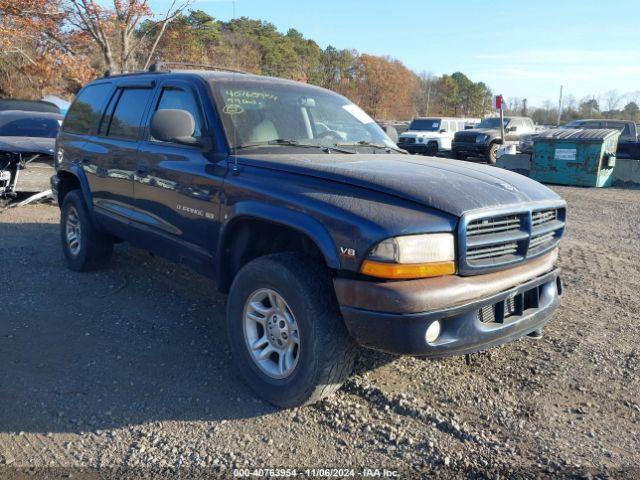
543 216
514 306
511 238
493 251
487 226
538 241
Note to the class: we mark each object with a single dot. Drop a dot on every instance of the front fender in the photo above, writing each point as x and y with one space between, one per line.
282 216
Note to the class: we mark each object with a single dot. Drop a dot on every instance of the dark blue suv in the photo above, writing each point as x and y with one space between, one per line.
324 234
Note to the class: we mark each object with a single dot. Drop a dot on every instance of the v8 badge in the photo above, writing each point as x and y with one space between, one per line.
347 252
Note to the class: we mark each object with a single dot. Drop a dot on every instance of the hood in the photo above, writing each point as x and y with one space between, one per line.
451 186
474 132
27 145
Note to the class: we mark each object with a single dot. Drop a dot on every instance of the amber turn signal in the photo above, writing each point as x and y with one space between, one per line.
400 271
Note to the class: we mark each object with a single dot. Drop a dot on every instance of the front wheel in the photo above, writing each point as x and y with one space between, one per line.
432 149
286 333
492 153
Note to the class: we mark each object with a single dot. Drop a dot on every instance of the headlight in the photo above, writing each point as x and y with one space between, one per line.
420 140
412 256
481 138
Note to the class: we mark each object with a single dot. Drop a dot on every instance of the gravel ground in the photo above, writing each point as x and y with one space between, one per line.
127 370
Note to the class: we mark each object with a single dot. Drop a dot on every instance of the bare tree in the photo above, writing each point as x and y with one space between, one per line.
612 100
114 28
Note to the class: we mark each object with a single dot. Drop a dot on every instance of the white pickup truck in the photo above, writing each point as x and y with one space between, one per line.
430 135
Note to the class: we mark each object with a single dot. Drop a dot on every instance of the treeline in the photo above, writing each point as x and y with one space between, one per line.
55 46
381 85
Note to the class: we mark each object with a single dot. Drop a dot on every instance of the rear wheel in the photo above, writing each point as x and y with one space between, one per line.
286 333
85 248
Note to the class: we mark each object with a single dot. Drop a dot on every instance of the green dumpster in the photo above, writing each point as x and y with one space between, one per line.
575 157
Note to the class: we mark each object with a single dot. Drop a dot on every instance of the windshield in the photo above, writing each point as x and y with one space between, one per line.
259 112
492 123
425 125
29 127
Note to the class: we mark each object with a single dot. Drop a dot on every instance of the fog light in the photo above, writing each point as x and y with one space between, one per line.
433 332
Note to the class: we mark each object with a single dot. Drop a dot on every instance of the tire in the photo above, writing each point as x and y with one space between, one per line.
492 154
432 149
325 352
86 248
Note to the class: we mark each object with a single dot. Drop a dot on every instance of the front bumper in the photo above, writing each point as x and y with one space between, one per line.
532 295
413 147
469 148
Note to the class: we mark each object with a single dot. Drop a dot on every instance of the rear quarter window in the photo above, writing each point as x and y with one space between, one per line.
86 111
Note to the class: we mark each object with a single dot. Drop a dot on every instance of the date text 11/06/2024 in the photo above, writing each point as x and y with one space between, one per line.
316 472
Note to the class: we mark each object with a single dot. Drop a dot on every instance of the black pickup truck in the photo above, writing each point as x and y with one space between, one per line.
322 232
629 142
485 139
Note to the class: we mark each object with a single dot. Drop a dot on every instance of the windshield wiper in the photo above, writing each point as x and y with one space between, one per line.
364 143
293 143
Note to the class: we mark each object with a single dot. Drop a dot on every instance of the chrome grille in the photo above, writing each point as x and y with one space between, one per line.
493 225
493 251
506 239
538 240
407 140
543 216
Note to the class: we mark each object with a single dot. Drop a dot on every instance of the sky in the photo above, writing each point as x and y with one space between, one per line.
524 49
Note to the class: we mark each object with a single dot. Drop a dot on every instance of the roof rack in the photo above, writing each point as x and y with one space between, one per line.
158 66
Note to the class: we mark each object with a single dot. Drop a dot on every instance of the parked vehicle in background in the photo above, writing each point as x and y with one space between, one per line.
485 139
525 145
28 105
323 233
400 126
26 151
433 134
629 143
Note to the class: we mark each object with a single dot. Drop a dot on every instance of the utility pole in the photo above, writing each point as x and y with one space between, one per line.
524 107
428 98
559 107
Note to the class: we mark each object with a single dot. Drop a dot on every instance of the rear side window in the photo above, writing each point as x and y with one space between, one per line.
127 116
86 111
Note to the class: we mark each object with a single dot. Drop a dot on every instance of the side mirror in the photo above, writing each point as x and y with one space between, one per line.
175 126
511 129
443 130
